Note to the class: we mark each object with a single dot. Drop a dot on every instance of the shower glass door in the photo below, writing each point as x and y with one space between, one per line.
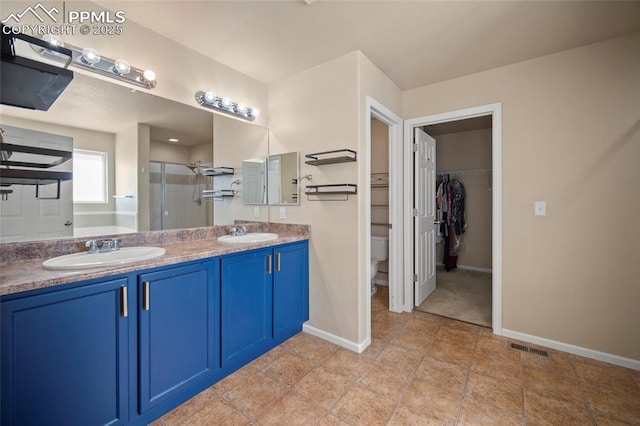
176 196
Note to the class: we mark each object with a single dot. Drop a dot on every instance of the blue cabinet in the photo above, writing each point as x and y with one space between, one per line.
290 290
64 357
247 304
178 330
264 300
127 349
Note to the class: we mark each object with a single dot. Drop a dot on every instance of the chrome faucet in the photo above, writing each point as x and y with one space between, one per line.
112 244
238 230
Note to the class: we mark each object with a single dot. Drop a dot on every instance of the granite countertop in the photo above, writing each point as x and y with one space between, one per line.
20 274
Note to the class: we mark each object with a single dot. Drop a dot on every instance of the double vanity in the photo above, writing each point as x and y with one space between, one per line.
127 341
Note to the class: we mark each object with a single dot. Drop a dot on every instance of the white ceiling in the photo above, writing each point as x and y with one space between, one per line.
413 42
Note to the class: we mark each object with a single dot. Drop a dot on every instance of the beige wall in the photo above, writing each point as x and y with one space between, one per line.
169 153
127 177
320 109
571 137
313 111
144 196
461 151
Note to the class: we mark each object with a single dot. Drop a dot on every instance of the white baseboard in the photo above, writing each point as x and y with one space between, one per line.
474 268
577 350
347 344
469 268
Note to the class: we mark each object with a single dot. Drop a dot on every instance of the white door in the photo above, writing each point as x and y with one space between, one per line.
253 182
425 215
23 217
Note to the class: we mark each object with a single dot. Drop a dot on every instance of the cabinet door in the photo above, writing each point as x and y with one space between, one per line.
178 330
246 306
64 357
290 290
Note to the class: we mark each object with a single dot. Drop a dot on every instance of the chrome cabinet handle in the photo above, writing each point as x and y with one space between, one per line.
145 302
269 260
123 294
278 262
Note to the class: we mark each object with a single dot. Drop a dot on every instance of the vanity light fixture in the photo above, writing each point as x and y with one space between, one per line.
90 59
226 105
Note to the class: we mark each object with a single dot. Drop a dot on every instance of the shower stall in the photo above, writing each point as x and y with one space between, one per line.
176 196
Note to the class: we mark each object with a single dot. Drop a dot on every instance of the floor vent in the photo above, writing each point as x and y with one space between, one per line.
530 350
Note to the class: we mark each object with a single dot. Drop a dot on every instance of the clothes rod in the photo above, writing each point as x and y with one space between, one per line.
465 172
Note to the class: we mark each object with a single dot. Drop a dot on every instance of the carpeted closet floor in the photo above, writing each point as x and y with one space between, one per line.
461 294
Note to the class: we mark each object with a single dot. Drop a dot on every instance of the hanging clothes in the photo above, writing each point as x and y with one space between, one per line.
450 198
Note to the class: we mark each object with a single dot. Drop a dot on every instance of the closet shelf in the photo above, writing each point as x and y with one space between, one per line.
379 180
386 225
217 171
334 157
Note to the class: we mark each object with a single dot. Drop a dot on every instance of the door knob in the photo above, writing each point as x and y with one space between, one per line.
68 223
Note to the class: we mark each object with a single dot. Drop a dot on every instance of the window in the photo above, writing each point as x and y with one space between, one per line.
89 176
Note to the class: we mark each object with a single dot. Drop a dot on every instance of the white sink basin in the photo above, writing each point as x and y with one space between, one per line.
253 237
84 260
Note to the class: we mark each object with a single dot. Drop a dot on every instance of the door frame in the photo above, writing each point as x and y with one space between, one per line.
495 111
396 210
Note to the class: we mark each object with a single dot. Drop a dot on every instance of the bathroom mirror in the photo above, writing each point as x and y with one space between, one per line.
243 147
283 177
133 127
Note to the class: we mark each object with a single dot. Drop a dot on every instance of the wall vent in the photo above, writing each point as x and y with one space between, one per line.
530 350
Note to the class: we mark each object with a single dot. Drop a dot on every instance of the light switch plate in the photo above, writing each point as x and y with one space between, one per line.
256 211
540 208
283 212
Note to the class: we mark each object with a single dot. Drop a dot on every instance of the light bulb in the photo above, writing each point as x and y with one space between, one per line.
149 76
254 112
210 97
226 103
53 39
242 109
90 56
121 67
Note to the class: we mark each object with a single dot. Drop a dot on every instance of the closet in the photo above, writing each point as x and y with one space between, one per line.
463 277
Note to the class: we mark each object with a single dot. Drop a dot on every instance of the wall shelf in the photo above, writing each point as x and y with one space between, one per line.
36 157
217 194
331 157
217 171
344 189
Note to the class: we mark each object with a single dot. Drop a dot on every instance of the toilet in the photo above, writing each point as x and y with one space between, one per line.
379 253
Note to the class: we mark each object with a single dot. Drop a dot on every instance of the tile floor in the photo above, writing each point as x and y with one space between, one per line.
421 369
